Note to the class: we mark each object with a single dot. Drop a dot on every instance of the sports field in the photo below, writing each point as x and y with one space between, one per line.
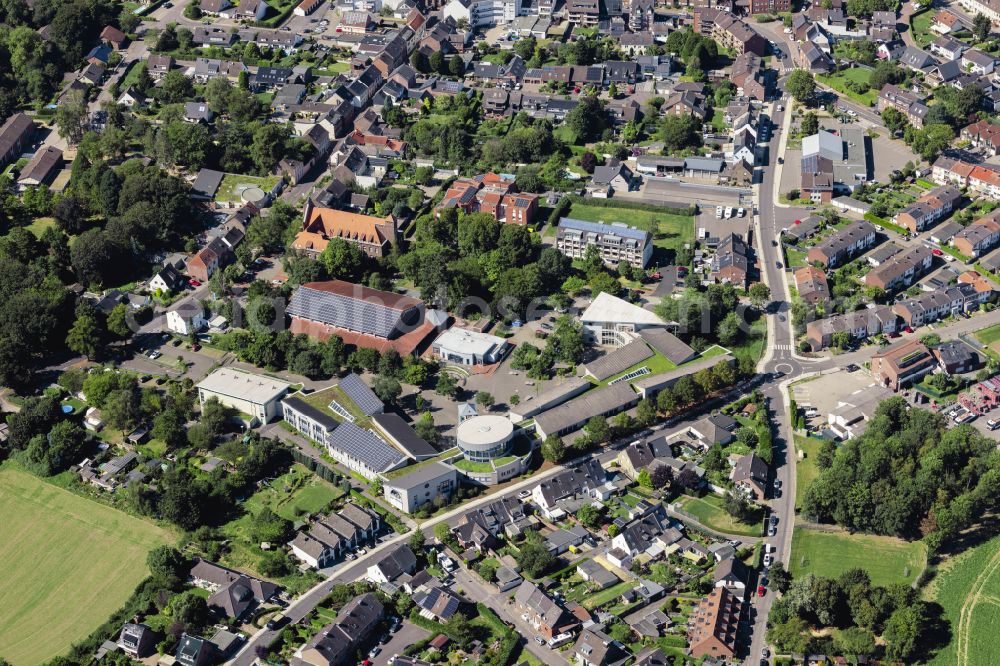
968 588
68 563
829 552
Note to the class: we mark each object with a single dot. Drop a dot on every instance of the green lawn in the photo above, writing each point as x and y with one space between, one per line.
709 512
967 587
69 563
233 184
473 466
718 120
806 470
294 493
610 594
920 27
40 224
752 345
795 258
989 335
657 363
831 553
839 83
671 231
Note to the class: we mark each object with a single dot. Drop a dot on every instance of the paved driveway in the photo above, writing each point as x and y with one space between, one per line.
407 635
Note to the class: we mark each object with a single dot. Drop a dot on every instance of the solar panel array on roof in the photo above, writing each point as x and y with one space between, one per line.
364 445
366 400
344 312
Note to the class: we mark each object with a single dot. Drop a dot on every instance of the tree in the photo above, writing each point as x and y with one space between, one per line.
553 449
780 578
801 86
168 567
443 533
597 427
855 640
760 294
485 399
118 321
72 117
456 66
514 400
387 389
534 558
447 385
680 132
810 123
417 541
981 27
587 120
425 428
661 476
588 162
789 636
457 627
437 63
645 412
644 479
589 516
85 335
902 632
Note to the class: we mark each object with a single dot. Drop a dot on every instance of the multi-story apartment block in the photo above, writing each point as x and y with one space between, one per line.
614 242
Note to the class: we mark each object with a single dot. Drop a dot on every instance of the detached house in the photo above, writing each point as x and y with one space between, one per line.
749 476
552 622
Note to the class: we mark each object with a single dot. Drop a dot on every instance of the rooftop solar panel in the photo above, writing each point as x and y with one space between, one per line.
344 312
366 400
364 445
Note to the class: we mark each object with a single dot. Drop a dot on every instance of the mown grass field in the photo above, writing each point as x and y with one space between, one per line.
709 512
806 470
857 74
68 564
989 335
671 231
831 553
968 588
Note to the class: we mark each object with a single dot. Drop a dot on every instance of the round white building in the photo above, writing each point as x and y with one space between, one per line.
486 437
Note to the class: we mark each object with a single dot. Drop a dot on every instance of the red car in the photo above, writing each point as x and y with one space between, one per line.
194 283
936 252
761 590
656 276
798 221
682 270
908 330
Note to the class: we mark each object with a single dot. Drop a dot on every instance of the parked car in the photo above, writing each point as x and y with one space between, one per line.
993 424
761 590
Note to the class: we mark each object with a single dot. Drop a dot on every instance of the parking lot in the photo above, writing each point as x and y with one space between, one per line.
407 635
664 191
824 392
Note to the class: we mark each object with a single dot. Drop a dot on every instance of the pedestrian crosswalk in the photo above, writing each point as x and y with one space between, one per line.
782 347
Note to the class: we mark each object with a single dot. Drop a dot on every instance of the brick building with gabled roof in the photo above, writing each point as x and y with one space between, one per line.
374 236
713 625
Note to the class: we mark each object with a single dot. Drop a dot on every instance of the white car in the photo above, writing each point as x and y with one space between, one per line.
718 212
729 212
740 212
993 424
767 560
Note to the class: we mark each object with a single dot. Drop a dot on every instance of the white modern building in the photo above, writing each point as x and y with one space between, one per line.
428 481
612 321
465 347
481 13
254 395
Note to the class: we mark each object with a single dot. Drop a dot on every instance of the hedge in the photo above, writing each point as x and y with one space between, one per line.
885 224
633 205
